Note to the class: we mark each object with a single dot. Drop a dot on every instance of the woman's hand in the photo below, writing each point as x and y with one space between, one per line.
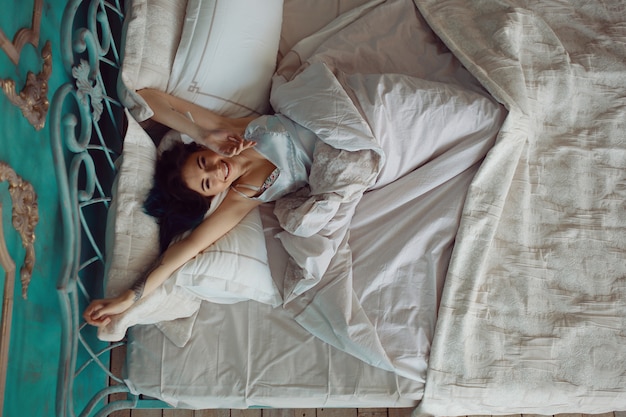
226 142
98 313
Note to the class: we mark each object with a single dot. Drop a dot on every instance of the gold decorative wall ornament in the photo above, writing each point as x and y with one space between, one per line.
23 36
7 310
25 217
33 99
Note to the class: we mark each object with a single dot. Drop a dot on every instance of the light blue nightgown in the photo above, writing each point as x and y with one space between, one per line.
289 147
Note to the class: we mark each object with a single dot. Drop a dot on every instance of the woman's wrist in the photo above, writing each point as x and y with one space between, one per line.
128 296
206 138
137 289
200 135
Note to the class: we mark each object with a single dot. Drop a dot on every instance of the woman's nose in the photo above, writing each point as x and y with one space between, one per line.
209 166
210 169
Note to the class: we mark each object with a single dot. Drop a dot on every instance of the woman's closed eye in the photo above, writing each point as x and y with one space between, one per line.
204 182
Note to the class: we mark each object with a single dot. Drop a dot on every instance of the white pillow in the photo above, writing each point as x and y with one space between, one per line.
234 268
151 33
132 235
227 55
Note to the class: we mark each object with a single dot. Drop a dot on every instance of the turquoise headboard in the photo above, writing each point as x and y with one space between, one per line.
86 125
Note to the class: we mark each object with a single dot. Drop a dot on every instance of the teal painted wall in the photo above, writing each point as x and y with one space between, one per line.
34 356
35 335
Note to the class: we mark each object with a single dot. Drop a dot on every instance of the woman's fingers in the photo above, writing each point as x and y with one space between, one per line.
92 309
238 145
240 141
93 313
97 313
227 143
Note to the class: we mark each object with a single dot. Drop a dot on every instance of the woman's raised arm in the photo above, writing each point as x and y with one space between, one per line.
230 212
219 133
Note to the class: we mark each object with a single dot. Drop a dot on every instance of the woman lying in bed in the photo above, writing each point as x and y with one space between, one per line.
251 172
272 156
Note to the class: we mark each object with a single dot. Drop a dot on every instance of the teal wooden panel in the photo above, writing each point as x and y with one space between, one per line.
36 330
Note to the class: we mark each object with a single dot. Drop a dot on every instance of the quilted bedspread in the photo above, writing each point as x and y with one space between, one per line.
533 315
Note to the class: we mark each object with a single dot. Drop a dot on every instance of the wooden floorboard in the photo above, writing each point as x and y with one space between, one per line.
322 412
302 412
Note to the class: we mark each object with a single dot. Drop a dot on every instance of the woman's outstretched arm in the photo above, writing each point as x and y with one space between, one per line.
221 134
230 212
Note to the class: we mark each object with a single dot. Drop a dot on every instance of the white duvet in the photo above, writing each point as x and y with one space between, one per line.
380 115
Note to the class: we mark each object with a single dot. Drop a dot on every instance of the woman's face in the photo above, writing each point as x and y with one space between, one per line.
208 173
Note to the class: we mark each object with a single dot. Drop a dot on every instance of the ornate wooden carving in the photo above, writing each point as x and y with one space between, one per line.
33 99
7 310
25 218
23 36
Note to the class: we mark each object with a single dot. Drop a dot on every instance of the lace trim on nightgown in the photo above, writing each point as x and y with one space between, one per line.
259 190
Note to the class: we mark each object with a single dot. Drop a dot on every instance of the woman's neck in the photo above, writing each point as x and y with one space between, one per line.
257 167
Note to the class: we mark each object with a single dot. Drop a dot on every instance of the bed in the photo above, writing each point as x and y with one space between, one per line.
475 268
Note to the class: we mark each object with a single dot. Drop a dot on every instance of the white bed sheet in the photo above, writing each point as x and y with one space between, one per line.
401 238
249 354
302 18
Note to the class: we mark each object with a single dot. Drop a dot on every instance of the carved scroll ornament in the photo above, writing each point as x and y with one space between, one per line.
23 36
25 217
33 99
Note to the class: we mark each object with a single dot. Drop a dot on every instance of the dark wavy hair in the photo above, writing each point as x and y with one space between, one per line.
175 207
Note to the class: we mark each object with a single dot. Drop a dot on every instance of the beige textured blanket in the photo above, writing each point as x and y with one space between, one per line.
534 309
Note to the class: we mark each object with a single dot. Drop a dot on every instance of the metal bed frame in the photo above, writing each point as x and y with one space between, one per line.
87 128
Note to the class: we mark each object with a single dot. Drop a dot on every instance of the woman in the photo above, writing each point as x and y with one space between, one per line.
273 142
245 170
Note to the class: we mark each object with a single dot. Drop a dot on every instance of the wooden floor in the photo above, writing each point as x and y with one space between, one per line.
314 412
319 412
